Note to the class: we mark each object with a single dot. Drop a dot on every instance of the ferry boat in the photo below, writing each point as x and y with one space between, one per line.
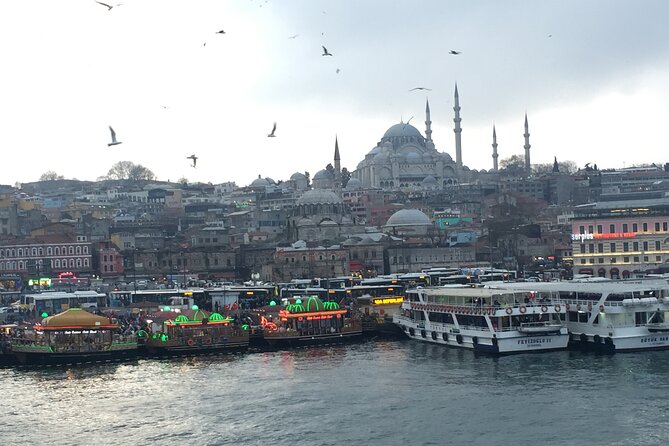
72 337
192 332
484 320
309 322
611 315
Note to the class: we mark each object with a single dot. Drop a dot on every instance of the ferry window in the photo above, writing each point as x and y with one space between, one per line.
613 247
635 227
645 227
573 316
625 227
657 226
600 229
596 320
583 317
612 229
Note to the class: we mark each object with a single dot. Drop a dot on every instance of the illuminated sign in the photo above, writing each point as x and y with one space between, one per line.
584 237
388 300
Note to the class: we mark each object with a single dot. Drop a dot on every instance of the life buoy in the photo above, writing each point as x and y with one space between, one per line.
589 306
544 308
557 308
601 308
207 341
190 342
522 309
578 307
567 307
509 310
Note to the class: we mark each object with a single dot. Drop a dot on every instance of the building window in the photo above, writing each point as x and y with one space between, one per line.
626 246
57 251
591 248
613 260
635 246
600 260
71 250
600 229
657 226
34 250
85 249
104 258
645 258
592 261
625 227
86 264
583 248
600 247
645 246
645 227
71 263
636 259
657 246
635 227
78 263
658 258
612 229
581 229
20 264
664 226
78 250
20 252
626 259
49 251
56 263
591 229
40 251
613 247
582 261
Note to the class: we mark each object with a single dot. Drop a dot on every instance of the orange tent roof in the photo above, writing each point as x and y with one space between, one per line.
76 318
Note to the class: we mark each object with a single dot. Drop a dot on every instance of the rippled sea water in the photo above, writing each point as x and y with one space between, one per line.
372 393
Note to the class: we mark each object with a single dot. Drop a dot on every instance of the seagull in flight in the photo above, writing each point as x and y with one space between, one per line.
109 7
455 52
220 32
272 135
337 71
325 51
194 158
420 88
294 36
113 137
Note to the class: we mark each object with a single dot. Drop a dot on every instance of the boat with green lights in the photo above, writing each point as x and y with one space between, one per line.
309 321
193 332
74 336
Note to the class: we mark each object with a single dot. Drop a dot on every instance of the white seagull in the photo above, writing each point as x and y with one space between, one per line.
272 135
113 136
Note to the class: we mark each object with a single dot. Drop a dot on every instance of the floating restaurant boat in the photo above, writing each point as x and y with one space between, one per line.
310 322
610 316
378 304
193 332
485 320
72 337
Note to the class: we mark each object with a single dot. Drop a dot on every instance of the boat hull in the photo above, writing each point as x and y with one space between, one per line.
156 350
64 358
310 340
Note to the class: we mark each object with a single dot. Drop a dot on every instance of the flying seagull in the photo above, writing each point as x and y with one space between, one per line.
455 52
109 7
113 136
325 51
420 88
272 135
337 71
194 158
220 32
294 36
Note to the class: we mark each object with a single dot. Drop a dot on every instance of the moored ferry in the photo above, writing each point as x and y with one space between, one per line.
485 320
611 316
71 337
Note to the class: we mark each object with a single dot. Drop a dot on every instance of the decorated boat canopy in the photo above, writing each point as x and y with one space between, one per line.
312 306
76 319
198 317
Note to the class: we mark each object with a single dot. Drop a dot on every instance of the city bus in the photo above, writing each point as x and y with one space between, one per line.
52 302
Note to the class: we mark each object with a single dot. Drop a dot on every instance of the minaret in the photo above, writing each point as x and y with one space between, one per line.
458 131
494 150
337 168
527 147
428 124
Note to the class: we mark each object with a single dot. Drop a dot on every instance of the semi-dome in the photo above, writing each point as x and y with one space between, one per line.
402 129
260 182
305 222
353 184
319 196
408 217
323 175
413 157
429 180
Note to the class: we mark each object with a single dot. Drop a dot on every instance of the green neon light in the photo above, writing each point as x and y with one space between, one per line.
317 304
164 337
330 305
214 317
166 308
180 319
245 326
272 304
194 308
298 301
142 334
45 314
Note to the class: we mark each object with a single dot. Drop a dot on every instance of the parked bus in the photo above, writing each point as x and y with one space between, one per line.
52 302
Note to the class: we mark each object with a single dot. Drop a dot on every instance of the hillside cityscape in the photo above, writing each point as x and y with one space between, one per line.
404 208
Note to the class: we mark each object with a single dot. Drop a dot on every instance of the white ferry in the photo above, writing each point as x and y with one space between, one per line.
610 316
483 319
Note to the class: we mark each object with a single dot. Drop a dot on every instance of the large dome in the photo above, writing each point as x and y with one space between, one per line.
298 176
319 196
408 217
260 182
353 184
402 129
323 175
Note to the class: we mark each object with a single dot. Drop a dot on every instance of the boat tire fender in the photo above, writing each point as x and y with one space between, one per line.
423 334
459 338
434 335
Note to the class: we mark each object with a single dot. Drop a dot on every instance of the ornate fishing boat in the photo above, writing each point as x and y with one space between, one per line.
72 337
195 332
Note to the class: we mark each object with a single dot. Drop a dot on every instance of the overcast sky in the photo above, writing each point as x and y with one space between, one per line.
593 77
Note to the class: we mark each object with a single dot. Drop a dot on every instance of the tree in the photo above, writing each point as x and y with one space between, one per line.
513 165
563 167
127 170
50 175
183 180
